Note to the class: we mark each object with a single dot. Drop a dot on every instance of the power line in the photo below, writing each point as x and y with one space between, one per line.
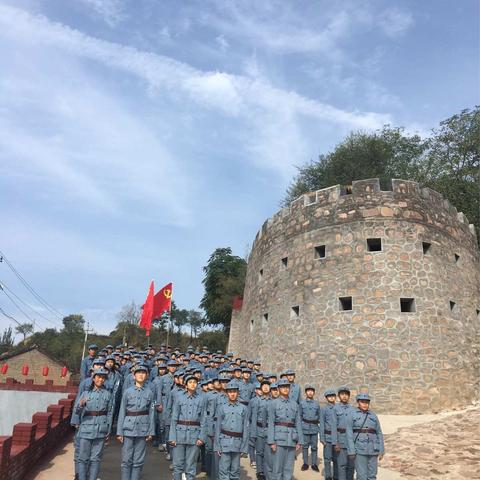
21 309
23 302
49 307
9 316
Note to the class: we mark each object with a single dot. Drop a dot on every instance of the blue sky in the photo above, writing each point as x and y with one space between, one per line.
138 136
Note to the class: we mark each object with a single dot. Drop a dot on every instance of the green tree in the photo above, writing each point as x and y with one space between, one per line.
6 340
454 162
224 279
24 329
196 321
447 161
385 154
73 324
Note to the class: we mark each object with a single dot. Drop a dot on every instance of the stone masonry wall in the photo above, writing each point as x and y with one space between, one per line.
422 360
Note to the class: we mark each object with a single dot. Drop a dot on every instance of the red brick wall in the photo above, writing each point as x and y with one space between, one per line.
30 442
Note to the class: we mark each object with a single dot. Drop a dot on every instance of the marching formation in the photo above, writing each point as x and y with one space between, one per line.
213 409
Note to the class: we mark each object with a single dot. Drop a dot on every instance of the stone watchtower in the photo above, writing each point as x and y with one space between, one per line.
379 290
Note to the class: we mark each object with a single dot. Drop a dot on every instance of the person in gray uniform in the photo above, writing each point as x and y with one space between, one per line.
284 434
364 439
258 427
95 414
188 429
231 434
328 434
136 424
343 409
310 412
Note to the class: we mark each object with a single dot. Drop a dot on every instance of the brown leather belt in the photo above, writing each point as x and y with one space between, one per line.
260 424
137 414
364 430
341 430
95 414
231 434
190 423
285 424
312 422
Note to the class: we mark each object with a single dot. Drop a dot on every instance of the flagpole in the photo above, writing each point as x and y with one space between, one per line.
169 316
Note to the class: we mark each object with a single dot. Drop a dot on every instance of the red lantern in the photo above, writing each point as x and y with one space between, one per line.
64 372
25 370
4 369
45 371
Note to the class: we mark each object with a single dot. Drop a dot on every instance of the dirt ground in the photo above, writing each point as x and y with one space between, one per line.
443 449
444 446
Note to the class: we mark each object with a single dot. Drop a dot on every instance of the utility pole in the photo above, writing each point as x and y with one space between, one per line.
87 331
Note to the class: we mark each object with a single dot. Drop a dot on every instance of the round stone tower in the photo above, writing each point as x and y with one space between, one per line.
379 290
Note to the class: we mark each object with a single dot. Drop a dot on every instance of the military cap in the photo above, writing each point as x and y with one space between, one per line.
260 374
274 385
264 381
247 370
231 386
93 346
343 388
190 377
229 355
309 387
119 345
98 361
203 383
258 385
256 362
223 377
219 352
110 357
172 363
109 346
162 366
140 368
289 372
363 396
101 371
128 353
178 373
250 361
283 383
329 392
214 378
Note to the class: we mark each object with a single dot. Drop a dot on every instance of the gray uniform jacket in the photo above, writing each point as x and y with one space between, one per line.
189 419
136 417
284 423
231 428
328 424
364 434
342 411
310 412
100 403
259 416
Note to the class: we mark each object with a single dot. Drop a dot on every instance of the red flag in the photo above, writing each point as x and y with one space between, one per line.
163 301
147 311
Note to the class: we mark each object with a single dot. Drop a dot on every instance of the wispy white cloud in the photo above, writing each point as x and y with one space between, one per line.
253 99
111 11
222 43
395 22
277 26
